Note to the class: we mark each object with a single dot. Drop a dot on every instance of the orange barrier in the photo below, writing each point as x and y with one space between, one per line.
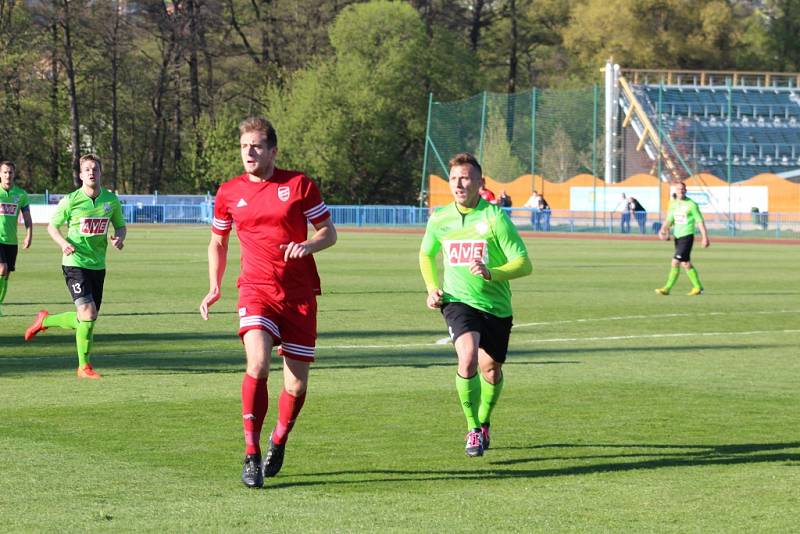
784 195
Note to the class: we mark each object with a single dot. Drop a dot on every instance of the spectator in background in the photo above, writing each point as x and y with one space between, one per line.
505 200
486 193
637 211
533 203
544 214
625 215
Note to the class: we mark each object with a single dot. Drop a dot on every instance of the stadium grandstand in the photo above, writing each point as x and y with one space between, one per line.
733 125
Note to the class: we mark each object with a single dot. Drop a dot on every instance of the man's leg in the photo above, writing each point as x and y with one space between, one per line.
468 385
491 378
691 272
258 347
84 335
291 401
674 271
5 271
3 286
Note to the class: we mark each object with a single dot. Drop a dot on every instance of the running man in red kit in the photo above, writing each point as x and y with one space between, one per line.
278 284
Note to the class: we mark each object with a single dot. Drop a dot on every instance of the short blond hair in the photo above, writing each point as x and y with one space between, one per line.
92 157
259 124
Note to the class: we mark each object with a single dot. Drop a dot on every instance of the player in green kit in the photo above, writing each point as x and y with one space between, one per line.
684 214
13 201
482 251
87 213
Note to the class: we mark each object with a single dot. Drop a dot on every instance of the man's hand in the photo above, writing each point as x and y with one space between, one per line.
26 243
212 297
706 242
67 249
117 242
478 268
434 300
294 250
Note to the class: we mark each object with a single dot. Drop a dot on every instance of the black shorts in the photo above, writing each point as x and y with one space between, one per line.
493 331
8 255
85 285
683 248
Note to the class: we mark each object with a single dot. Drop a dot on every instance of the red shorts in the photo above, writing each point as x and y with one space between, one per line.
292 324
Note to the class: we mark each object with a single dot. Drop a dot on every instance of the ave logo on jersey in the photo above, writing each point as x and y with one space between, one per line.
463 252
283 193
94 225
8 209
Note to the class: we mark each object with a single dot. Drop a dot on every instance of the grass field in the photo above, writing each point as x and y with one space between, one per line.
622 411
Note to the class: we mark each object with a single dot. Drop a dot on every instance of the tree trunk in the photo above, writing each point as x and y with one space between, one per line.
73 95
114 91
55 150
476 24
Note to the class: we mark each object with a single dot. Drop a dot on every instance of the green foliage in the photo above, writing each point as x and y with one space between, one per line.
499 160
220 159
357 121
655 33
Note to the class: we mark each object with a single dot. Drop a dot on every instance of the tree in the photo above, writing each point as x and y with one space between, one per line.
784 29
357 121
655 33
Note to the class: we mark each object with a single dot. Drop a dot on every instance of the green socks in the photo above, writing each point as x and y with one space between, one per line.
489 395
3 288
691 273
67 320
84 332
469 393
84 336
672 278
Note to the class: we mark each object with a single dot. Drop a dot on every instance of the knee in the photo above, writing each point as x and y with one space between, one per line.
3 269
295 388
258 369
467 367
88 313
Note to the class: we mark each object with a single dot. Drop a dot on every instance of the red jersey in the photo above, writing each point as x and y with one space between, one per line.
267 215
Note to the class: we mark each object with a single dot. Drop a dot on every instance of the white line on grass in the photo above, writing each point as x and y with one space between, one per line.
569 339
657 316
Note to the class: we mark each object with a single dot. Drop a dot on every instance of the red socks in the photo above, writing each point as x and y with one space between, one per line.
289 407
254 410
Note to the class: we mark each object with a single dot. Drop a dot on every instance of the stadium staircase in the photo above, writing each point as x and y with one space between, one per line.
708 125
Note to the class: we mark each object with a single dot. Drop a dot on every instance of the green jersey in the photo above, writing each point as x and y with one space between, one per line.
483 233
11 202
87 222
685 214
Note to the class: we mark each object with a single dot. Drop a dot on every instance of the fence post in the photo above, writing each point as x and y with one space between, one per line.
422 190
483 126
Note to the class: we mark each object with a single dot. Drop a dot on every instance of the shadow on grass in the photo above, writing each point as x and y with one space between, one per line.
682 456
217 352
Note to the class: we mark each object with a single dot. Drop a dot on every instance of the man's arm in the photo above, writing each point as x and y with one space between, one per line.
324 237
26 218
704 234
217 261
516 268
56 236
119 237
